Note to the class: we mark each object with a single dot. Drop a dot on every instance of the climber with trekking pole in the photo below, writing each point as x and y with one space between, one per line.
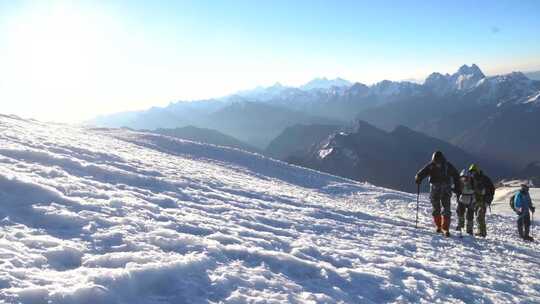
442 174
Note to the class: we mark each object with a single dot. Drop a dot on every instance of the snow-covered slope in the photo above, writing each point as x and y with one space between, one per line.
113 216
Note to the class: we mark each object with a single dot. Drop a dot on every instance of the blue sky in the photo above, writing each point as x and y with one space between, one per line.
71 60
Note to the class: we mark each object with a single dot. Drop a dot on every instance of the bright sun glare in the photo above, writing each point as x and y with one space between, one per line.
87 60
53 52
79 59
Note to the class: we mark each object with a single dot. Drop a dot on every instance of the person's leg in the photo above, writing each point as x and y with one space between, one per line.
447 211
526 225
461 215
481 216
435 197
470 219
520 226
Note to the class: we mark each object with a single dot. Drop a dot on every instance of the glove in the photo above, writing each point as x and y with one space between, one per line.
489 199
417 179
533 209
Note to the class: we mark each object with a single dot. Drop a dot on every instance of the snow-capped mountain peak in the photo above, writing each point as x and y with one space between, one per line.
387 88
512 88
264 93
471 71
325 83
466 78
276 85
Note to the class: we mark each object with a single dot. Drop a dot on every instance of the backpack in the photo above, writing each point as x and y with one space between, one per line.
511 201
480 184
467 191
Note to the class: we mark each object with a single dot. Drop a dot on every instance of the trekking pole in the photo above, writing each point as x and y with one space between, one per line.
417 202
532 222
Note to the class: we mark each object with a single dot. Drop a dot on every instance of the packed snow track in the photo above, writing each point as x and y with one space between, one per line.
115 216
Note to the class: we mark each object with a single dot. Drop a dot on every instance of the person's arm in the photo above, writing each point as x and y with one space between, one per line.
423 173
455 177
518 203
490 186
490 189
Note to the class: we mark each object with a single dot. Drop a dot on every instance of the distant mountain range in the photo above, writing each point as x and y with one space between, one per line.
258 124
492 118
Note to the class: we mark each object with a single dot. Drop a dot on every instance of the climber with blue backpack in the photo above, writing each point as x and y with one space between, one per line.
523 207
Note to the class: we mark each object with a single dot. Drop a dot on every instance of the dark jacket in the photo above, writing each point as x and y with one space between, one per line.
439 173
484 183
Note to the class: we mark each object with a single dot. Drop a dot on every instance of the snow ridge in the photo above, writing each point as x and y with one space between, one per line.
114 216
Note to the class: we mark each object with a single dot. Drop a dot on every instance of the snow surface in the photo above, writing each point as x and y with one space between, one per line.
325 152
534 98
114 216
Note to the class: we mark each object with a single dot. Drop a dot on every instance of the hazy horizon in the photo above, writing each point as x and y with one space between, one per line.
70 61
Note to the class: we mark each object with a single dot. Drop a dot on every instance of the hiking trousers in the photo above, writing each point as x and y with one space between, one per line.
465 211
440 200
481 214
524 224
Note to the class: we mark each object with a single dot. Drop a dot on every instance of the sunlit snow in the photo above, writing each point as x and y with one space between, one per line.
115 216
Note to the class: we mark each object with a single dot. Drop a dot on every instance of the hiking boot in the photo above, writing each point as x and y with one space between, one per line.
447 233
437 219
528 238
445 223
481 234
470 232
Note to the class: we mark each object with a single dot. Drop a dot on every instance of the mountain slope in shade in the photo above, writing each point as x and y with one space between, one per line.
150 119
533 75
259 123
295 140
532 173
115 216
207 136
389 159
509 136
